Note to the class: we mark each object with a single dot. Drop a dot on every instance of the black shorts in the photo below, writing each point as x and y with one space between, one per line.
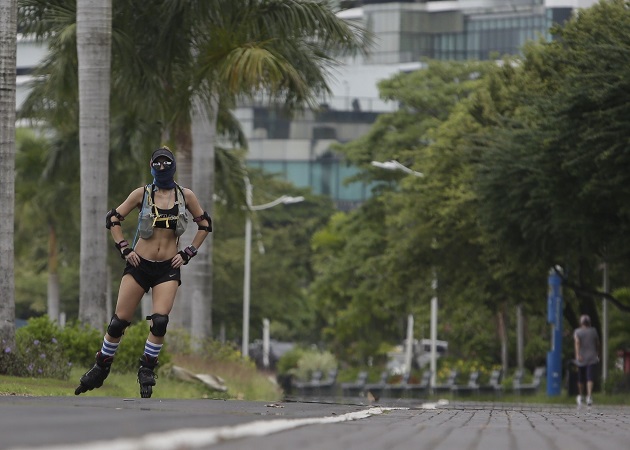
586 373
151 273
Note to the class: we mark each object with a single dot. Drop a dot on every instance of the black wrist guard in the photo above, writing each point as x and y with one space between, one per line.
187 253
125 252
122 244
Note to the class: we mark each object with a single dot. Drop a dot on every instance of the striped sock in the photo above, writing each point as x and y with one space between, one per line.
151 349
109 348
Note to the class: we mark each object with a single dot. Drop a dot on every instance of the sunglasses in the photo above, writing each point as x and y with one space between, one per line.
157 164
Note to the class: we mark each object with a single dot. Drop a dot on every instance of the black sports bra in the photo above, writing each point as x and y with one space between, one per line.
165 218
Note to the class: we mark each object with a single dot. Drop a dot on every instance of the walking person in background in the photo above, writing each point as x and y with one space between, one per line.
153 262
586 358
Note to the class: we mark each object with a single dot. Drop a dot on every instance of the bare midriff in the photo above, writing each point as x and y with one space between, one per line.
161 246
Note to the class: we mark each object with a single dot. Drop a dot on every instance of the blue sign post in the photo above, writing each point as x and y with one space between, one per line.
554 317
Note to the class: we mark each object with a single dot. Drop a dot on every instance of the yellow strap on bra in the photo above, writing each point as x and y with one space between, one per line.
156 213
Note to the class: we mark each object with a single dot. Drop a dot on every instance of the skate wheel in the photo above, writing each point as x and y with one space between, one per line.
80 390
146 391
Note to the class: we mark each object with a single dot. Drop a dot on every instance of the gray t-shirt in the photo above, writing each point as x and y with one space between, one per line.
589 339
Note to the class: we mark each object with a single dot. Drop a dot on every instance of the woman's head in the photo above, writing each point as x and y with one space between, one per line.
163 168
162 153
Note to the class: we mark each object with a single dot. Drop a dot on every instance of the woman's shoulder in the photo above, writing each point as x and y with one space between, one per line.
140 190
188 193
138 193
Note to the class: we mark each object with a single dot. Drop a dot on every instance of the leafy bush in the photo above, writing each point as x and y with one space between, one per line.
80 343
38 352
43 348
215 350
288 362
180 341
301 363
617 383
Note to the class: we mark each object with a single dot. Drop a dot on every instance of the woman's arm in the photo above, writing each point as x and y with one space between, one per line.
114 223
204 226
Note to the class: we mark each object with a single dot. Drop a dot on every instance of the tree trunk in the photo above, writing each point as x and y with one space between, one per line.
204 125
181 313
53 275
8 45
94 18
504 343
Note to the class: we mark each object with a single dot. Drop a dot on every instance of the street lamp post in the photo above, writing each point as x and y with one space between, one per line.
285 199
395 165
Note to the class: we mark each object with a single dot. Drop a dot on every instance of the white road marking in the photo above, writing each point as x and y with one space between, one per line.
199 437
441 402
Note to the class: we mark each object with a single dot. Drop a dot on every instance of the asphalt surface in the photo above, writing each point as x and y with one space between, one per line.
95 423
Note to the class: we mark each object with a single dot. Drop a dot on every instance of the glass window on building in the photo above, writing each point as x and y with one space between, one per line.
354 191
330 177
298 173
275 168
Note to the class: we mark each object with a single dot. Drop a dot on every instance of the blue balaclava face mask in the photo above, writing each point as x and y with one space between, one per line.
163 177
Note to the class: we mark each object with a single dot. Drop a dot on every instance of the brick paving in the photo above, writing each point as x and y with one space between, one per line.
77 422
463 426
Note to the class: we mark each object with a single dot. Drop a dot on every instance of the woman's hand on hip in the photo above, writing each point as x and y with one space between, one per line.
177 261
133 259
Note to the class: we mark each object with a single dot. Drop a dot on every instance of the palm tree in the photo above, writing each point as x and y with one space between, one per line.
8 44
169 56
280 48
94 31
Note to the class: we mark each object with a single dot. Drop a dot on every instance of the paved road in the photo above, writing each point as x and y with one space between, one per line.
95 423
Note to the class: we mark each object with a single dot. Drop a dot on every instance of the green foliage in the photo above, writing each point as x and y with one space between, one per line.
216 351
375 265
289 361
38 352
312 361
525 167
180 341
563 138
302 362
280 273
73 345
80 343
617 383
76 344
463 367
43 247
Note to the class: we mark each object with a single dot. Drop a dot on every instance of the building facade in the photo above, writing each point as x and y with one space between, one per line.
300 149
406 33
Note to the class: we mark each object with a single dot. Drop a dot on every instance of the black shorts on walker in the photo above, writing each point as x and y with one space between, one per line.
151 273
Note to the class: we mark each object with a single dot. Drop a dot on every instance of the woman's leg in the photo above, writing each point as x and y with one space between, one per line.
129 296
163 299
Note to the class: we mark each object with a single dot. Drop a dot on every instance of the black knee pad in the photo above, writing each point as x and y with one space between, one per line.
117 327
160 321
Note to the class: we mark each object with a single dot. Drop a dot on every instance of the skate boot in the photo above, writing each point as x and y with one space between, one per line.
146 375
94 377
